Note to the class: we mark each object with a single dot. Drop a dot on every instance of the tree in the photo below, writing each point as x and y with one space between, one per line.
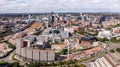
16 64
81 65
105 39
32 64
118 50
99 39
80 31
114 40
65 51
112 51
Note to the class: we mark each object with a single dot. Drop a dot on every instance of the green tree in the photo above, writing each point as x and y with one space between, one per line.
65 51
114 40
99 39
81 65
112 50
80 31
105 39
16 64
118 50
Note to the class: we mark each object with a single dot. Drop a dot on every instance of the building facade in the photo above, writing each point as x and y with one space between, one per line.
34 54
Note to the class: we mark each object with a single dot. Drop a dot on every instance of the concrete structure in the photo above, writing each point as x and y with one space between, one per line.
36 54
28 49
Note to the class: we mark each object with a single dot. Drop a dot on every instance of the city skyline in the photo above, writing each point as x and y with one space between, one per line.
59 39
40 6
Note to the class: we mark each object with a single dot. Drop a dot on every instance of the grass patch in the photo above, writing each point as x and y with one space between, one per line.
3 62
114 40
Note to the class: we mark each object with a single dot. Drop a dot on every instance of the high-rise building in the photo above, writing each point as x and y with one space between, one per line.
52 18
102 18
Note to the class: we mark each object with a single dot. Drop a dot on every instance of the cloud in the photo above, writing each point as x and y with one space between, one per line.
16 6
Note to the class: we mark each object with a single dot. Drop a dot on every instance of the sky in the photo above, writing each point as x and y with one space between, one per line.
41 6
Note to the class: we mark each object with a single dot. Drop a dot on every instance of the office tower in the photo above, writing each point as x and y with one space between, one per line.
102 18
52 18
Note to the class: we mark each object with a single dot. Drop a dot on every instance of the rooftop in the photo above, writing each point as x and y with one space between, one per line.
88 38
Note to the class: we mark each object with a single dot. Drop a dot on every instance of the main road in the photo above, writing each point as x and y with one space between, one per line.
8 58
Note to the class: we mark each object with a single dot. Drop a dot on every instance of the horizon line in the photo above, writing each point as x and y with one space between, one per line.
51 11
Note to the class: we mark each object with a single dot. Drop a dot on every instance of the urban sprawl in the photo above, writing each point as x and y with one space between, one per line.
60 39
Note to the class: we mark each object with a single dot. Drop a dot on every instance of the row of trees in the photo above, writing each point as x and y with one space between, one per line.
6 64
71 63
118 50
86 33
113 40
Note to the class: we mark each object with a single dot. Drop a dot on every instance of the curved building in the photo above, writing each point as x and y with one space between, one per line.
27 49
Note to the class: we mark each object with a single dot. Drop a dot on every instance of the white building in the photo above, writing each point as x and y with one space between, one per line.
68 29
105 33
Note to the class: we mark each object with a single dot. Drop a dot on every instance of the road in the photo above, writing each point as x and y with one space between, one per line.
114 45
9 57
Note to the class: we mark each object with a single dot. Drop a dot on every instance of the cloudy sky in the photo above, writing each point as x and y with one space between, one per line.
28 6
